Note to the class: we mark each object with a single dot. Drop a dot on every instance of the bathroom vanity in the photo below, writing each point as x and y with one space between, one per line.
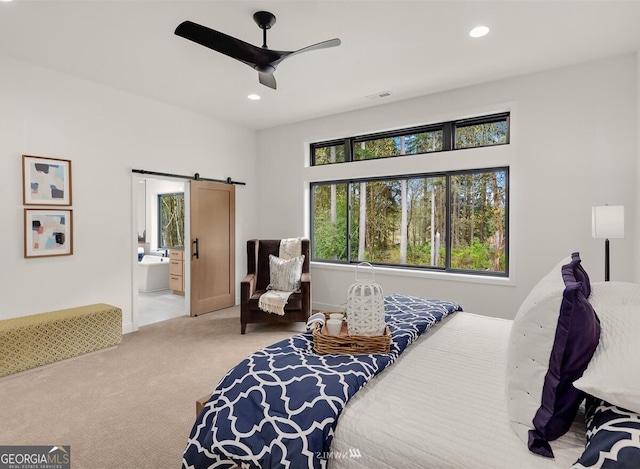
176 271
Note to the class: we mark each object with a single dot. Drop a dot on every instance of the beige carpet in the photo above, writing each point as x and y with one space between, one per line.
131 406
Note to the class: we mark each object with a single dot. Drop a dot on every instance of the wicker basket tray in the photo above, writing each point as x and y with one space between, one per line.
323 343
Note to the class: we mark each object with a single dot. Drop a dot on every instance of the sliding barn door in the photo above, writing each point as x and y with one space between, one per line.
212 246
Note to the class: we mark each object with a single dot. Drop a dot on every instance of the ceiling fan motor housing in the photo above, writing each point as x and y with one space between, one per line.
264 19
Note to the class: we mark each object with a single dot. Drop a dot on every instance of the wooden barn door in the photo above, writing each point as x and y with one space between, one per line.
212 246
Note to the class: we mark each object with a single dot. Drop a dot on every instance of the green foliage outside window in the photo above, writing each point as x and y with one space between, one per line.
330 226
456 220
475 232
478 220
410 144
466 133
481 135
329 154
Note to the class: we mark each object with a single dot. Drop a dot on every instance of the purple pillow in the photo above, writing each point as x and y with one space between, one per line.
579 274
576 338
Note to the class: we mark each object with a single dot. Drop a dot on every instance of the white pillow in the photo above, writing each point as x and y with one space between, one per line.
284 274
613 373
552 340
529 348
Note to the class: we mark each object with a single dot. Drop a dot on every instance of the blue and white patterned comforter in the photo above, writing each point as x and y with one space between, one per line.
280 406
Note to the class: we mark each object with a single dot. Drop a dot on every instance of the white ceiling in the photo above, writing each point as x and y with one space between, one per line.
409 48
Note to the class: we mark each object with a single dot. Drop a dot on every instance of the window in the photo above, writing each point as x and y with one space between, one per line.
329 153
451 221
170 220
446 136
482 132
478 221
398 145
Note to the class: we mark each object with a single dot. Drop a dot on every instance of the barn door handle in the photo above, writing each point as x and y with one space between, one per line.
196 254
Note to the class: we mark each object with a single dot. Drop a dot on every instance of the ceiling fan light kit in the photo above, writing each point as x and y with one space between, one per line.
262 59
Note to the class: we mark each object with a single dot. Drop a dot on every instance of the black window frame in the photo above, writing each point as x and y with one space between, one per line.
448 220
448 137
490 119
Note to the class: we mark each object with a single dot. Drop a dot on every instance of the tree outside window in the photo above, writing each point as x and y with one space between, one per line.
450 221
482 131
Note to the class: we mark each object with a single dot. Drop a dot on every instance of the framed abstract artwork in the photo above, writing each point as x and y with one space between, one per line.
48 232
46 181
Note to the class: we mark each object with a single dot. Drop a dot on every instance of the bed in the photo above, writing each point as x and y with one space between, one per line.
464 391
450 386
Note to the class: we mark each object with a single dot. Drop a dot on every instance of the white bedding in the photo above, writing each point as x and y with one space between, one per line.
442 405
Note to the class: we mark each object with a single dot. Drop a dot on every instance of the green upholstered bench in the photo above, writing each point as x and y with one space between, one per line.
31 341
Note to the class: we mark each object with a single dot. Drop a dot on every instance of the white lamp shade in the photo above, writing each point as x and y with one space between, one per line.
607 221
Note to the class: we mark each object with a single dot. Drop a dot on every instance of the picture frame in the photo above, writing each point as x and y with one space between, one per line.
46 181
48 232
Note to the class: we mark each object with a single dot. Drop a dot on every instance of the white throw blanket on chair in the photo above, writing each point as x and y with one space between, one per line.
274 301
290 248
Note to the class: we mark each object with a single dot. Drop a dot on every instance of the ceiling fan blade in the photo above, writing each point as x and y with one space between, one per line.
225 44
321 45
267 79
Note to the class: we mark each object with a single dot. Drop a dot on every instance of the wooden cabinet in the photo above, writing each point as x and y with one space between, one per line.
176 271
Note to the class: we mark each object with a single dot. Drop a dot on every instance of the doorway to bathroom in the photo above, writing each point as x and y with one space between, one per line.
201 272
159 283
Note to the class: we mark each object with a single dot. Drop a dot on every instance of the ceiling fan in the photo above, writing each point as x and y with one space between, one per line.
262 59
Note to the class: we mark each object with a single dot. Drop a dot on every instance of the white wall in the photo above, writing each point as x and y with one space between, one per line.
105 133
573 145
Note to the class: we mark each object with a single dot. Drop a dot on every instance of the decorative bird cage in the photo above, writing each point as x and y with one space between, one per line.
365 306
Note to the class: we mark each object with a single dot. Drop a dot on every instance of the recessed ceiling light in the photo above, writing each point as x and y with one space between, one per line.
479 31
254 97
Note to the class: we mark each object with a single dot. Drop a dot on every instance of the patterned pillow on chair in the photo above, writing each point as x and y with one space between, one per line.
285 274
613 437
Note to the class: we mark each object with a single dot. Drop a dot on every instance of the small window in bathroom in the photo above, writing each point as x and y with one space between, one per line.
170 220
